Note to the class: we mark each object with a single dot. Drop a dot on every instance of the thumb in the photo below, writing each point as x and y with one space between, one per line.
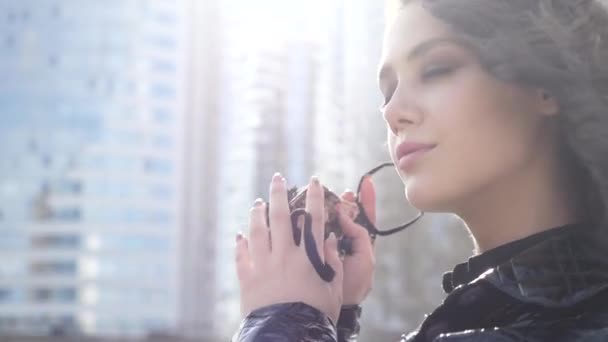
368 198
361 240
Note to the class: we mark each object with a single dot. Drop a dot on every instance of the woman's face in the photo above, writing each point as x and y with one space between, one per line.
436 92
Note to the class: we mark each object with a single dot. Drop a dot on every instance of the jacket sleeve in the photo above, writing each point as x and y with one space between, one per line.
348 323
286 322
528 335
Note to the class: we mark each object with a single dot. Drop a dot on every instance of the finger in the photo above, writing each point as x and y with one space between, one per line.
315 205
332 257
349 196
280 222
361 241
242 259
259 242
368 198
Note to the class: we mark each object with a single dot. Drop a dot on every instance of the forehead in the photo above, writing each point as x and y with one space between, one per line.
410 26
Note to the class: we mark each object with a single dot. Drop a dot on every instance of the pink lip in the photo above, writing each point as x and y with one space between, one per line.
409 152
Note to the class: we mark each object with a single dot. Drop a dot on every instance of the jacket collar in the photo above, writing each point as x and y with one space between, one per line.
466 272
561 270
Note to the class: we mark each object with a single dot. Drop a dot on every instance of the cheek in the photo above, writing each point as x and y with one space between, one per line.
482 138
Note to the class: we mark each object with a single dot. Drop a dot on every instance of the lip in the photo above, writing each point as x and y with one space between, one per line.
408 152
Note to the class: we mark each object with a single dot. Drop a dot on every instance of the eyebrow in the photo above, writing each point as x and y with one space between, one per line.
423 48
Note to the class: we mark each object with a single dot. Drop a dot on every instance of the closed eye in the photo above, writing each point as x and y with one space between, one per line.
435 71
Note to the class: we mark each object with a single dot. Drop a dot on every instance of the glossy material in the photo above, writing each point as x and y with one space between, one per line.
556 290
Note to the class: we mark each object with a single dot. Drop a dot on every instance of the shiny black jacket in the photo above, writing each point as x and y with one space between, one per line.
549 287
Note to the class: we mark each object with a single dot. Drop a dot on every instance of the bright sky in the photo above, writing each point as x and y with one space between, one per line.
282 19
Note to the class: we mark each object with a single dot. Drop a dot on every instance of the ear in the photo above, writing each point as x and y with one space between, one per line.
546 103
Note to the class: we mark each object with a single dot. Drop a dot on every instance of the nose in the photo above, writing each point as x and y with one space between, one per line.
401 112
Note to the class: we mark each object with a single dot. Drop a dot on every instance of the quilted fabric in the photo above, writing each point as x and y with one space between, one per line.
556 290
286 322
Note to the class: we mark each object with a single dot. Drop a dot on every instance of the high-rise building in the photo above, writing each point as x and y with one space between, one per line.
91 186
266 109
198 251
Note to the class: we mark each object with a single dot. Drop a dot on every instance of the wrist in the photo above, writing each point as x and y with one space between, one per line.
348 322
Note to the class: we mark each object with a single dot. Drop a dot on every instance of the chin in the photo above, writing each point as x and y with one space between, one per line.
423 197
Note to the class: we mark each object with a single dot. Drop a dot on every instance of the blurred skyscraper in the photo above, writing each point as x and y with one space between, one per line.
91 170
197 317
266 102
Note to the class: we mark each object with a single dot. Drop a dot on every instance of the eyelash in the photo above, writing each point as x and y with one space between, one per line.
435 71
427 74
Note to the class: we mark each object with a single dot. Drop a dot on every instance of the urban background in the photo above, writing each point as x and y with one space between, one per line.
135 135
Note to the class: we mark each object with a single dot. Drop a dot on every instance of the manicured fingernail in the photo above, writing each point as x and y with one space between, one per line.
278 177
315 180
258 202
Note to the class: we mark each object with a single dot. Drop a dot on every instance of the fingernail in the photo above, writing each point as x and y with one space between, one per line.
258 202
315 180
332 236
278 177
348 190
239 236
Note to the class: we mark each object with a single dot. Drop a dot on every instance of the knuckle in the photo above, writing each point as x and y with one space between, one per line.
258 231
277 188
256 213
280 215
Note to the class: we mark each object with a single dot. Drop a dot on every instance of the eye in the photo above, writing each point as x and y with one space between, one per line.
435 70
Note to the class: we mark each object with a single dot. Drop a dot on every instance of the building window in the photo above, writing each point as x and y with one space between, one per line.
162 91
25 15
163 42
59 241
41 295
66 295
157 166
8 295
58 295
53 61
163 66
72 187
10 16
12 240
162 115
54 268
55 11
162 141
67 214
10 41
161 191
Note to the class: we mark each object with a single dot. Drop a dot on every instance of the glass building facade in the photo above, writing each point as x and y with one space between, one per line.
90 117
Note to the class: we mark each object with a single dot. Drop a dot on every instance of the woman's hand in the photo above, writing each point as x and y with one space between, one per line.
359 266
272 269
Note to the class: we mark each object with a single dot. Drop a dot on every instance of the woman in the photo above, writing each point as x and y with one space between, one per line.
510 101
